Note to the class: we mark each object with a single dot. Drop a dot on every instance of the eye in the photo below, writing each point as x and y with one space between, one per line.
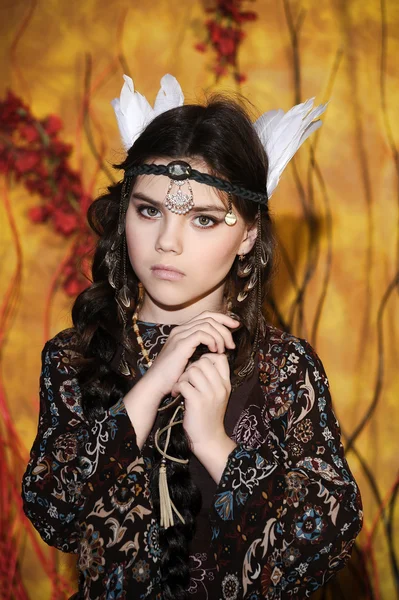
151 214
209 222
204 222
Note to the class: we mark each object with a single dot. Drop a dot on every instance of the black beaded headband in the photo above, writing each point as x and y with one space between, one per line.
180 170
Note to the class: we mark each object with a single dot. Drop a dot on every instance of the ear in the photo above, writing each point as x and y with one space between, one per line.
249 238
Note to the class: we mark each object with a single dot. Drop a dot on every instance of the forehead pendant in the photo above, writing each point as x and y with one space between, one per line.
230 218
178 201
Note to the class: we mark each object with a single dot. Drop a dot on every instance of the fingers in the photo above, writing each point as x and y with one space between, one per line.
209 374
199 380
217 316
222 329
209 362
208 329
221 322
222 335
186 390
213 340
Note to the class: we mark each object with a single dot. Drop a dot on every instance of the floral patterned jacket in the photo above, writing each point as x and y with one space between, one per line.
285 514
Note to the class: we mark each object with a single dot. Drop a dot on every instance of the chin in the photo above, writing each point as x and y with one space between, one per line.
168 295
163 289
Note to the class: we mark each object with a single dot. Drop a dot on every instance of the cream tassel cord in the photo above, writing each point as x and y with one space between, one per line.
167 507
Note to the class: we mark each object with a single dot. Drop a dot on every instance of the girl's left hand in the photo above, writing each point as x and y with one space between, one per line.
206 387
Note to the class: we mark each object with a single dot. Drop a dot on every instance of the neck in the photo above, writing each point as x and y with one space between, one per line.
153 312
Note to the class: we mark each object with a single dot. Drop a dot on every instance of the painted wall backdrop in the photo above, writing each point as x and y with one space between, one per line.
336 212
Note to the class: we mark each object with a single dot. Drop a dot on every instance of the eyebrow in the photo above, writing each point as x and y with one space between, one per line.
195 209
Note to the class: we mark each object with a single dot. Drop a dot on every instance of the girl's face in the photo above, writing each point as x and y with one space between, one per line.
198 244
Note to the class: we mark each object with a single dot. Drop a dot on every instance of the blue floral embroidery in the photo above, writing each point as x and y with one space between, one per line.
224 505
310 524
114 583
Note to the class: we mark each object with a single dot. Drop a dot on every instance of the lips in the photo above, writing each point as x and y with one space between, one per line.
166 268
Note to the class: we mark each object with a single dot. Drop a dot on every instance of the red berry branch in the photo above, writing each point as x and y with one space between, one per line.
225 34
34 156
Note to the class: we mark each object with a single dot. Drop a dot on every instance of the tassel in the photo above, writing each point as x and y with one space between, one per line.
164 498
166 505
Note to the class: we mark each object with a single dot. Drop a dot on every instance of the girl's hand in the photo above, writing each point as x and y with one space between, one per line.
208 328
206 387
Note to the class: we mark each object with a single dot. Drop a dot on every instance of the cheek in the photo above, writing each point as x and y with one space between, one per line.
216 256
136 237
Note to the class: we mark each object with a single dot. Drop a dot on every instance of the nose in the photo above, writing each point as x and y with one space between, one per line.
170 233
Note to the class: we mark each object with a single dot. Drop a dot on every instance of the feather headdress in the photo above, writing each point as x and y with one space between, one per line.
134 112
281 133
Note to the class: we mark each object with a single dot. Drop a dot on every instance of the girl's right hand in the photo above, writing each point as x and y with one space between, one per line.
208 328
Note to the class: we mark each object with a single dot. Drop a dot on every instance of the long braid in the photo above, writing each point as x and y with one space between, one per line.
174 541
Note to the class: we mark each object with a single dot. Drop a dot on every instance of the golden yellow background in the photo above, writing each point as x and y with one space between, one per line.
336 211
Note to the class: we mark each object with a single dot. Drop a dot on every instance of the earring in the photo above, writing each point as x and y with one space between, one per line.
230 217
118 276
252 266
244 269
249 366
248 286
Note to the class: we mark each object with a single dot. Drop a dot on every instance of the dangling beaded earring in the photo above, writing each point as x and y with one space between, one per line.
245 269
123 294
254 264
116 259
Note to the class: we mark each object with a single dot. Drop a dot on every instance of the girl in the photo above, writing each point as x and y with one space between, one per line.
186 448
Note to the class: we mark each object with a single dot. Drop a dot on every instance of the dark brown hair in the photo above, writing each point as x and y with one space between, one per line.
221 135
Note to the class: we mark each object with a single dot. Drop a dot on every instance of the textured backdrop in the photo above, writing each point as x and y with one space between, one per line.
336 211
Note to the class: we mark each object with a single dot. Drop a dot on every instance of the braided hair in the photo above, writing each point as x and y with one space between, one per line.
220 134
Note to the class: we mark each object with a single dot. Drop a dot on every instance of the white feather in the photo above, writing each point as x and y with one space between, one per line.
282 134
133 111
169 96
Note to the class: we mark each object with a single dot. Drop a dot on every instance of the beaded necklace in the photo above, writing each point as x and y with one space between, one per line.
140 339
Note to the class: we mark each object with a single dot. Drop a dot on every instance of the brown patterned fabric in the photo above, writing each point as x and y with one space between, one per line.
280 523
